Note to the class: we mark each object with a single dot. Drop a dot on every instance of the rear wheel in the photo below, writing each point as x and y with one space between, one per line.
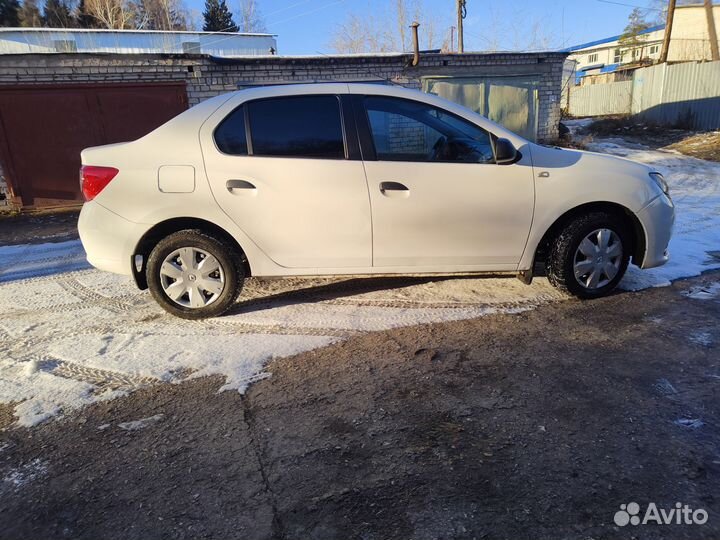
590 255
194 275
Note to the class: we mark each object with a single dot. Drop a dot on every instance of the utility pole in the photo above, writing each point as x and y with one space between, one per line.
668 31
461 13
452 38
712 34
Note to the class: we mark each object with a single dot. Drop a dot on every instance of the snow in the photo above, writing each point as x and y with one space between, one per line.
71 336
41 259
28 472
134 425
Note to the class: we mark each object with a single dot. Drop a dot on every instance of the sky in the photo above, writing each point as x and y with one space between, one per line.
307 26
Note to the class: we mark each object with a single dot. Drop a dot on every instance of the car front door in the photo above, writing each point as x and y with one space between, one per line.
439 200
281 169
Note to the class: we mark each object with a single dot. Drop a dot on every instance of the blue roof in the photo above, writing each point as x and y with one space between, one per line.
609 40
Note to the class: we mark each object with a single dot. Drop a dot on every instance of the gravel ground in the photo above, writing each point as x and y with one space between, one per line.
507 426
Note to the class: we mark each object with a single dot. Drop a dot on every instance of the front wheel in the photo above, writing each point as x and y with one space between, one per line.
590 255
193 275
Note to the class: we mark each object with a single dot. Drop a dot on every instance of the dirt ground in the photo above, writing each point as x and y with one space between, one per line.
702 145
39 227
539 424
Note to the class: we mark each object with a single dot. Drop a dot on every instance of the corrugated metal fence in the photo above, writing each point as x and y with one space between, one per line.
686 94
601 99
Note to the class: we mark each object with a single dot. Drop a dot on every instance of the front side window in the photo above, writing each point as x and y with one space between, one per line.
297 126
404 130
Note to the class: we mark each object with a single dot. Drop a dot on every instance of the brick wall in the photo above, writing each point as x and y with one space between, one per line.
206 77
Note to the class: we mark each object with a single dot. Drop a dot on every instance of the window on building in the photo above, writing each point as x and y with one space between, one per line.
618 56
593 58
636 53
405 130
654 49
230 134
297 126
65 46
191 47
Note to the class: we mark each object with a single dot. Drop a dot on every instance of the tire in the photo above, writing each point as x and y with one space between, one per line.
179 259
569 253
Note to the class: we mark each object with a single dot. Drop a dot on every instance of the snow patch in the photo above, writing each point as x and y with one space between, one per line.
704 339
704 292
134 425
691 423
26 261
26 473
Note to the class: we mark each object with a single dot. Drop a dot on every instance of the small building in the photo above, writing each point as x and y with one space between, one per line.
607 56
605 60
76 40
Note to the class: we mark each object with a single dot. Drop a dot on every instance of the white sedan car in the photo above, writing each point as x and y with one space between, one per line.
328 179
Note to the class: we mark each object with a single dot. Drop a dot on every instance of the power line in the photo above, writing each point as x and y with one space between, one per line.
629 5
307 12
296 4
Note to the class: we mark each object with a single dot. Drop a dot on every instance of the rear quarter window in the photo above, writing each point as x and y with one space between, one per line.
230 136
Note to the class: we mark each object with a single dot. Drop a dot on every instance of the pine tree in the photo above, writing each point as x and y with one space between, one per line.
56 14
9 13
218 17
632 37
29 14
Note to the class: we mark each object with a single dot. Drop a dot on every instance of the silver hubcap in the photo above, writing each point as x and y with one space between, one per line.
192 277
598 258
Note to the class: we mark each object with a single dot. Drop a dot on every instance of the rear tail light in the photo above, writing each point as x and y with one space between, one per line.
93 180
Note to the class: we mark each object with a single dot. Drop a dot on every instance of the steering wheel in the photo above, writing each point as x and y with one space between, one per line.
439 149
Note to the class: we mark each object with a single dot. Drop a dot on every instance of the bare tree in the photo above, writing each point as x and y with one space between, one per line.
114 14
249 19
162 15
374 33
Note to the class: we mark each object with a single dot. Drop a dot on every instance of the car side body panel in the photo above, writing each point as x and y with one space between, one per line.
113 224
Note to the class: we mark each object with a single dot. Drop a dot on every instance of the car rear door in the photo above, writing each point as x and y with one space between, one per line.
284 170
438 198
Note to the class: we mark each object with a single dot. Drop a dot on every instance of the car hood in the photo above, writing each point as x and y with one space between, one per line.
553 157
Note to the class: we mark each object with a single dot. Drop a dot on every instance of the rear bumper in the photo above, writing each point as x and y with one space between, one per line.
109 240
657 219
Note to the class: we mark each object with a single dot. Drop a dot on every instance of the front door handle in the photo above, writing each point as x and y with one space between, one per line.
239 184
394 189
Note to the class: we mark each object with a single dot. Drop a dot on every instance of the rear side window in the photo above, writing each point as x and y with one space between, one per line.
297 126
230 135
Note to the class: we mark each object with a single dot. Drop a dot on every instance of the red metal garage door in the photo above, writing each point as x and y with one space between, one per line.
44 128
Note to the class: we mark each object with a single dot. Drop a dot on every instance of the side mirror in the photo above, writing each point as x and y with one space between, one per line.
505 152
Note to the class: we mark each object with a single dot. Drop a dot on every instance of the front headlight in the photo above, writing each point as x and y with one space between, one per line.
660 181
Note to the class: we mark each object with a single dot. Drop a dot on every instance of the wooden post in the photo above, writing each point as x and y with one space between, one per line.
460 16
712 34
668 31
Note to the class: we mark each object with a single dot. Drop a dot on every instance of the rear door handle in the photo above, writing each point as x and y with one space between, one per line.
239 184
394 189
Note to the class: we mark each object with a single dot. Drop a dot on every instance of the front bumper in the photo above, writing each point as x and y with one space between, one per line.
109 240
657 218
